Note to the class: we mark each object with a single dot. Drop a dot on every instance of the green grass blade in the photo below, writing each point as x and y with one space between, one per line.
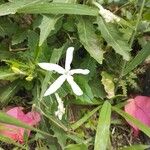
59 8
6 74
11 7
76 138
139 58
7 92
56 122
76 147
84 118
136 147
136 122
4 118
102 133
10 141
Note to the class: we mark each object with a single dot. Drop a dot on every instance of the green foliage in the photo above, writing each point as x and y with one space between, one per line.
140 57
7 27
58 8
7 74
7 92
136 147
129 83
84 118
89 39
112 36
97 88
47 26
102 133
136 122
12 7
76 147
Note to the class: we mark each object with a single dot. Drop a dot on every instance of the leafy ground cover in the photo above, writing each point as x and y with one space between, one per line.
74 74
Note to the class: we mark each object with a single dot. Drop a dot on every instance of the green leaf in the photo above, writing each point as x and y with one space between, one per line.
7 74
107 81
53 120
7 92
102 132
97 88
77 138
33 40
90 64
69 24
136 147
2 1
76 147
87 97
134 121
7 27
7 55
112 37
59 8
47 25
84 118
19 37
59 133
11 7
89 39
139 58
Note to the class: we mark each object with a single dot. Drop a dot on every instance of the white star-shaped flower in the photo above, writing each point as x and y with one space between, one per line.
66 74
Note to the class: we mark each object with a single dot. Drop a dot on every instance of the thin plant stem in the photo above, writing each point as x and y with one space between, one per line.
131 42
52 118
137 23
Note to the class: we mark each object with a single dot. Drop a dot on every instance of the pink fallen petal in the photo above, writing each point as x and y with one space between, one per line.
139 108
16 112
33 118
17 133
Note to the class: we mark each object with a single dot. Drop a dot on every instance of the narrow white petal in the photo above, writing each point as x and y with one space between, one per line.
69 57
79 71
52 67
76 89
55 86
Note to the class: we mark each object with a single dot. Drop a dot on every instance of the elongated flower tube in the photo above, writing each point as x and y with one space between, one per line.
60 109
66 74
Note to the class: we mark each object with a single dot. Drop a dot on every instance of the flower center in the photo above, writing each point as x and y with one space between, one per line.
67 73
